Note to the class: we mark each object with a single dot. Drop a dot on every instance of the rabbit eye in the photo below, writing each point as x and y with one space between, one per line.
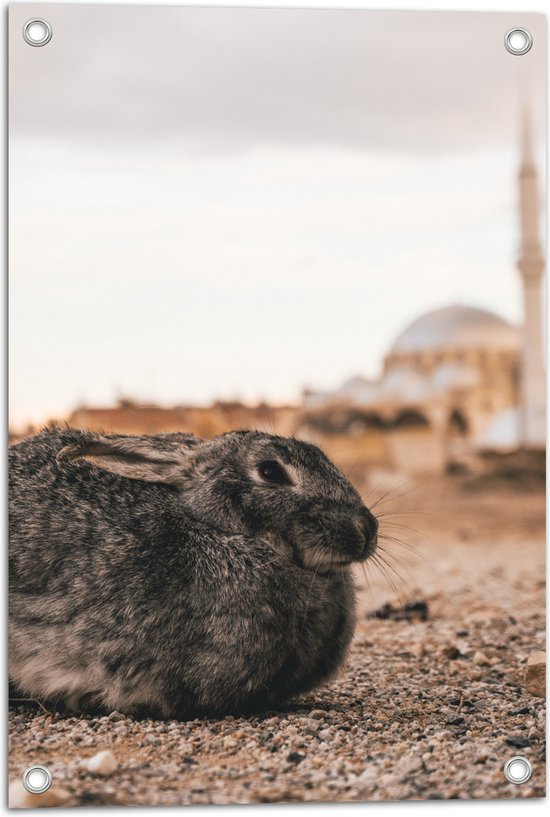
270 471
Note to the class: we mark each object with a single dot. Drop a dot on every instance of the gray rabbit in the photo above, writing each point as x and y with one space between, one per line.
179 576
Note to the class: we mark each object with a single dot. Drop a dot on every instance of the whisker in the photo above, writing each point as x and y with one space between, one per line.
407 545
385 497
404 566
409 586
394 498
308 598
31 700
392 537
408 580
370 595
404 527
389 579
400 513
391 491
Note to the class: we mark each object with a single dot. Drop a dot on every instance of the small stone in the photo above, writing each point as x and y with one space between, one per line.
535 675
103 763
295 757
309 726
455 720
523 711
116 716
408 765
480 659
518 741
318 714
368 777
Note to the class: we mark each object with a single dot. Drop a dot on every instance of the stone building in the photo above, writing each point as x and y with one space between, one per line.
456 381
129 417
445 378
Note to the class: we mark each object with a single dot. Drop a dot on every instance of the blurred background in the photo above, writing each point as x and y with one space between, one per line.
333 229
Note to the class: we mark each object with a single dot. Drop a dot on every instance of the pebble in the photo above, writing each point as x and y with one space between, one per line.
452 652
408 764
535 674
368 777
318 714
480 659
518 741
103 763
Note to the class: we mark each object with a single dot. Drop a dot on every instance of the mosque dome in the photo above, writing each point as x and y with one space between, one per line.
457 327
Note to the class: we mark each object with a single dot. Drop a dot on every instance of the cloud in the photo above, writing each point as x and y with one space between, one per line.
232 79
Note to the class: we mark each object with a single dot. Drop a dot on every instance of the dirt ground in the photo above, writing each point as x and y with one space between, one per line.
430 705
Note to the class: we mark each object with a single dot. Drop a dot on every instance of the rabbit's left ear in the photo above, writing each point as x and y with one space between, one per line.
132 457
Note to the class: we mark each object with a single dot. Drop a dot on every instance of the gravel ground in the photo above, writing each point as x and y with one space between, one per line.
423 709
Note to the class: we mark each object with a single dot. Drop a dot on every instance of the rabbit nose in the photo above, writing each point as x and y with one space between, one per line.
370 528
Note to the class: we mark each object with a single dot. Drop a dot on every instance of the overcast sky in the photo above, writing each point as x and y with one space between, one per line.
219 203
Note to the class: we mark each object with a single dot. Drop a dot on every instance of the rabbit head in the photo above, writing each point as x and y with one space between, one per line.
282 491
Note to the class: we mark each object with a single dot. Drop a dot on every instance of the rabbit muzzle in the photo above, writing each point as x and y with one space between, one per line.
322 541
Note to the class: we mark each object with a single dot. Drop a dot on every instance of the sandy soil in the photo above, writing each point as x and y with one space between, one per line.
424 709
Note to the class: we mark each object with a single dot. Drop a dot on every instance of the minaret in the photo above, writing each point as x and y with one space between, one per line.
531 267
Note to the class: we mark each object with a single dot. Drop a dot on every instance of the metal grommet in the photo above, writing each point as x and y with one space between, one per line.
518 770
37 779
37 31
518 41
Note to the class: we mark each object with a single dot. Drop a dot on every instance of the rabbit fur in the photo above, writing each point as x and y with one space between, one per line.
179 576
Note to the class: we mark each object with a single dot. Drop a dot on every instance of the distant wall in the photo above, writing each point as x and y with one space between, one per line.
202 421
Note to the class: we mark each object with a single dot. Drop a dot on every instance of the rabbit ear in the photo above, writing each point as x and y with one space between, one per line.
132 457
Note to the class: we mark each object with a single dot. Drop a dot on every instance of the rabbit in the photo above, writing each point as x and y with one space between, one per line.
175 575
